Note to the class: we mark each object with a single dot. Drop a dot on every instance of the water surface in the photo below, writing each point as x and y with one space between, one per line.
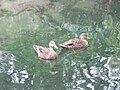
95 68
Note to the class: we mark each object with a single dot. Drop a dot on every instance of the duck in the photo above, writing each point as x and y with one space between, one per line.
46 53
76 43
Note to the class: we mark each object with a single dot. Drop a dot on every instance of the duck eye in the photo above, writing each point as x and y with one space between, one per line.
85 35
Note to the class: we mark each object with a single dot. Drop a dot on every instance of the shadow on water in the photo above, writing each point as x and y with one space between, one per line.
95 68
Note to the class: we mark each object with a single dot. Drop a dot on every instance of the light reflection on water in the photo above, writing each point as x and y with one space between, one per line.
7 61
87 77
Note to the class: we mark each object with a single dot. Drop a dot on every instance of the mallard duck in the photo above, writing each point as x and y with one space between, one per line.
76 43
46 53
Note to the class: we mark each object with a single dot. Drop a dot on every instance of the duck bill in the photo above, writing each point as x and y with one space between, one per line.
88 37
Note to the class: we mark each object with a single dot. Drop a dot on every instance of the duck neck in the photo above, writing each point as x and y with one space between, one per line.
85 42
51 48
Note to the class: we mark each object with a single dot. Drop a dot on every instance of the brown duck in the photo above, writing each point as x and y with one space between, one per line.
76 43
46 53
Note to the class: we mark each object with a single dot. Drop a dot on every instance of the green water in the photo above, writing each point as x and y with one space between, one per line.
95 68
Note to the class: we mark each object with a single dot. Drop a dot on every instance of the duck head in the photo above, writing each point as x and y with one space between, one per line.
52 44
84 36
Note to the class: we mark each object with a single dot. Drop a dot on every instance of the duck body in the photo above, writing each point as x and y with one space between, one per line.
76 43
46 53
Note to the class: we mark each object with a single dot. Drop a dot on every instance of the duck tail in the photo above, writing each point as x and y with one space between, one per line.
35 47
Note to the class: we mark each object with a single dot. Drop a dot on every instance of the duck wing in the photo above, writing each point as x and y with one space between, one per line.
43 50
70 43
